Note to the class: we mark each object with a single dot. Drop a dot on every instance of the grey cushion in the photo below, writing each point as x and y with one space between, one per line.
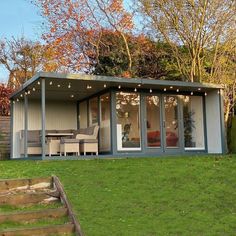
72 140
34 144
34 136
88 140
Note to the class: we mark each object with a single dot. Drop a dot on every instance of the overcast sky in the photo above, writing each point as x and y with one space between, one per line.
17 18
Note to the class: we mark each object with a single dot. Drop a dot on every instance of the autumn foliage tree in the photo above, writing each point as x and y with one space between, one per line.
22 58
4 100
75 29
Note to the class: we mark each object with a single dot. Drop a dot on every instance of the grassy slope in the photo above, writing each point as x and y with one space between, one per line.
152 196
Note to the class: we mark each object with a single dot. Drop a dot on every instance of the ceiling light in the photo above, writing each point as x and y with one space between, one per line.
150 90
135 90
50 83
69 85
58 85
38 83
164 89
139 85
171 87
177 90
199 89
191 93
104 85
33 89
119 87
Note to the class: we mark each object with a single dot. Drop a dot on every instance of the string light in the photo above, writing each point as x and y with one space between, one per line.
69 85
104 85
58 85
89 87
17 99
177 90
164 89
50 83
21 95
29 92
135 90
171 87
119 87
33 89
191 93
150 90
139 85
38 83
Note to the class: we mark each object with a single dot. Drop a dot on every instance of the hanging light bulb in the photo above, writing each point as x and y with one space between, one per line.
119 87
33 89
150 90
199 89
205 93
135 90
17 99
104 85
50 83
38 83
139 85
164 89
171 87
58 85
177 90
191 93
69 85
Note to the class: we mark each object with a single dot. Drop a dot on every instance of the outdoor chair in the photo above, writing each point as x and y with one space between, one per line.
84 140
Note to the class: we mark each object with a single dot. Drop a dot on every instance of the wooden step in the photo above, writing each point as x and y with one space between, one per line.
28 198
22 184
33 215
40 231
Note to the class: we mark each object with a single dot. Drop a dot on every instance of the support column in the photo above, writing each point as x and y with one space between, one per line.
12 130
43 117
25 124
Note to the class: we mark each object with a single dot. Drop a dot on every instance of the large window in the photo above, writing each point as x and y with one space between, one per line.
153 121
193 122
128 121
93 111
83 115
171 121
105 132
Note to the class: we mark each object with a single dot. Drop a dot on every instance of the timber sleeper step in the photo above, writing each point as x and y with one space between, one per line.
40 231
33 215
24 184
28 198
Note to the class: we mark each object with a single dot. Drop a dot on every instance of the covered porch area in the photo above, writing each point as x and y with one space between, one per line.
57 116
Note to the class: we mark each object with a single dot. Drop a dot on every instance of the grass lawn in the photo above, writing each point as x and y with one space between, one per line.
144 196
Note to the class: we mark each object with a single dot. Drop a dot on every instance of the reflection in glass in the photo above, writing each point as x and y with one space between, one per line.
128 121
193 122
171 121
153 121
105 133
93 111
83 116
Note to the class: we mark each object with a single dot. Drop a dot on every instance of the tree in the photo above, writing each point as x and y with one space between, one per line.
23 58
4 100
75 28
193 27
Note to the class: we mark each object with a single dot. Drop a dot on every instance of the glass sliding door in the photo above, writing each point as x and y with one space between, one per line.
193 122
128 121
83 115
171 123
93 111
105 131
153 124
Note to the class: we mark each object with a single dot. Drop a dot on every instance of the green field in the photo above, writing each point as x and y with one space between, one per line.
144 196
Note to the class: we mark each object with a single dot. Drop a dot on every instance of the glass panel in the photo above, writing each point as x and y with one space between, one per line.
105 131
128 121
93 111
83 115
153 121
193 122
171 121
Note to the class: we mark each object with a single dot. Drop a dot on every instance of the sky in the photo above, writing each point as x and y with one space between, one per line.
17 18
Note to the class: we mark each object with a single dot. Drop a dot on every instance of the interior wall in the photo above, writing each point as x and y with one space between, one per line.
213 122
60 115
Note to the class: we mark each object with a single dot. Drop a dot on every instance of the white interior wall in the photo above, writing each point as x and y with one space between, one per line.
213 122
60 115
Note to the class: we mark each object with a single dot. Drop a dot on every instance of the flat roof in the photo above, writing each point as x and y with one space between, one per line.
79 86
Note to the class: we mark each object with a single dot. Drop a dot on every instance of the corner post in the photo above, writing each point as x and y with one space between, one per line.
12 130
43 117
26 124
